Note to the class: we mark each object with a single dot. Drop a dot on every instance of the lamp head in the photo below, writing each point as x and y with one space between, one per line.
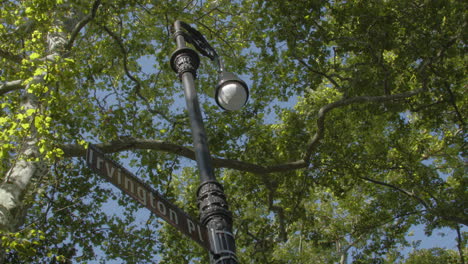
231 92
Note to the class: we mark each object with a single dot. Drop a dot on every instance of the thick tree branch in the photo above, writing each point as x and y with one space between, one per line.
11 86
74 150
128 143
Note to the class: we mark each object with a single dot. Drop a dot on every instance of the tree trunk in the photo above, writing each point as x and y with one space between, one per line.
343 252
27 164
18 178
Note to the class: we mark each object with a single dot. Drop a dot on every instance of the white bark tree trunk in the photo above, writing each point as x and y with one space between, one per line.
19 176
343 251
27 164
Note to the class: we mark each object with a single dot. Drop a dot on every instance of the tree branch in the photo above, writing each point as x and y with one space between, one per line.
405 192
129 143
271 185
11 86
10 56
319 73
137 82
81 24
75 150
453 101
460 244
344 102
430 209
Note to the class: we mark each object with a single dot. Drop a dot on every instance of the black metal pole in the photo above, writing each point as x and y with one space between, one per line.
214 211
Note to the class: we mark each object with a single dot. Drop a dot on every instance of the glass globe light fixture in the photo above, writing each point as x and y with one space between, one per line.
231 92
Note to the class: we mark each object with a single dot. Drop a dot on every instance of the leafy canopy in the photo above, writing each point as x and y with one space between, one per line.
355 129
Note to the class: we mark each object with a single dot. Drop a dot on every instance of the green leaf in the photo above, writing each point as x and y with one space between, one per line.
34 56
29 10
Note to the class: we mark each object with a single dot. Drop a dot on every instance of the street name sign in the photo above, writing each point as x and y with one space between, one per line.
145 195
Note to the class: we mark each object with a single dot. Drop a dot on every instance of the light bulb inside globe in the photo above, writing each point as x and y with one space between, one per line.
231 93
231 96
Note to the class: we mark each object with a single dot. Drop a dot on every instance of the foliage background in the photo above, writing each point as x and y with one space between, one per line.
374 143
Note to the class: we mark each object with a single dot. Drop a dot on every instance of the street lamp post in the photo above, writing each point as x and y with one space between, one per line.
231 94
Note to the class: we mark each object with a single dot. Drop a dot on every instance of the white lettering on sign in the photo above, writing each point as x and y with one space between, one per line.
141 195
110 170
191 226
173 216
99 162
153 206
162 208
146 196
128 184
119 177
200 233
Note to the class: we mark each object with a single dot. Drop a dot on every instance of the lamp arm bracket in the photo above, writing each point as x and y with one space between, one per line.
195 38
